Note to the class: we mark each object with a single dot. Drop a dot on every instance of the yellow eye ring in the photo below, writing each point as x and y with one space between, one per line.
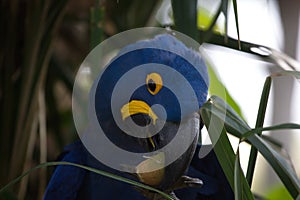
154 83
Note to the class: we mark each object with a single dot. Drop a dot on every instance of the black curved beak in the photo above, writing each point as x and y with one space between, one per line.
186 133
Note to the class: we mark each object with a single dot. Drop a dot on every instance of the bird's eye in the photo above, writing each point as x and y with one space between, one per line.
154 83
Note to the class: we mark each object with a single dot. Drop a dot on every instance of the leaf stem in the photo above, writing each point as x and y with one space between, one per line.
103 173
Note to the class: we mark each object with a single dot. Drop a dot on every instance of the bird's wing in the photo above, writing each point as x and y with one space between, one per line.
67 180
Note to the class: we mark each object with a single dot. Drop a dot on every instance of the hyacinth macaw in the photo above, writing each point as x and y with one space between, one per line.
188 177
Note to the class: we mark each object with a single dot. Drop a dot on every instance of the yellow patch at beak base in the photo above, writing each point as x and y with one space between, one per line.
136 107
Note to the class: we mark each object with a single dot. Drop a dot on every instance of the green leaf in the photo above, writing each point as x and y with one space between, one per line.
185 17
233 122
204 21
282 168
270 128
225 12
215 18
236 22
96 19
103 173
237 177
263 103
259 123
272 141
223 148
217 111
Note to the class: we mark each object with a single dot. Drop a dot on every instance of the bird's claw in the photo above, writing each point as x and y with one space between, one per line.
186 181
192 182
154 195
183 182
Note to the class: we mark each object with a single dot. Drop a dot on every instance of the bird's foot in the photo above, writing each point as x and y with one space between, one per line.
183 182
154 195
186 181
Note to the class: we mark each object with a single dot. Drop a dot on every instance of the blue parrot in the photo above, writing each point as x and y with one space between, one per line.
164 60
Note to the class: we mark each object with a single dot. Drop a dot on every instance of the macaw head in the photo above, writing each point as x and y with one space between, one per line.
147 96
